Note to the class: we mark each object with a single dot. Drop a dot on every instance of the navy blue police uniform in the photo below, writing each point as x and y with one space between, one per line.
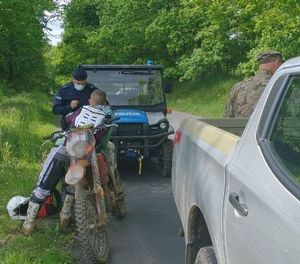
68 93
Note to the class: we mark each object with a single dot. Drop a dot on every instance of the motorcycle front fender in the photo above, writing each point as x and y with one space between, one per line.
76 172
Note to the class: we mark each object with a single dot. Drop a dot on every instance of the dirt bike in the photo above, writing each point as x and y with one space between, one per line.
98 190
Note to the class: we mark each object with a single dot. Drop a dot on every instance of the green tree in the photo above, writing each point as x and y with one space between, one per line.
191 38
276 26
22 42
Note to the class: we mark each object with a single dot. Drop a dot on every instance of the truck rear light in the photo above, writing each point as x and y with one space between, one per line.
178 137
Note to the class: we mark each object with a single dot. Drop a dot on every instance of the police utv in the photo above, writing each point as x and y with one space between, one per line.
137 94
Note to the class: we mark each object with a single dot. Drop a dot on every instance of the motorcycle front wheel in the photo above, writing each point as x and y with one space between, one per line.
92 237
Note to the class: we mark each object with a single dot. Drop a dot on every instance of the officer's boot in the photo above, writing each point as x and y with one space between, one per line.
29 224
66 211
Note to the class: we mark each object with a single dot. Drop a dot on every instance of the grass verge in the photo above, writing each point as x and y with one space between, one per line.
25 118
203 97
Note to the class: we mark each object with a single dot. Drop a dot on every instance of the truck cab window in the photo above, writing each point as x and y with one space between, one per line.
285 136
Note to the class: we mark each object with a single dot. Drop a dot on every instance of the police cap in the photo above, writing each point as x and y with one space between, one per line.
79 73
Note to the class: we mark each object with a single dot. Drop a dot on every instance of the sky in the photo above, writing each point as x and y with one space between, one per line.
56 32
55 35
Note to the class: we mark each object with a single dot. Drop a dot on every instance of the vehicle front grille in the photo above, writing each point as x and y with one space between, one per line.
129 130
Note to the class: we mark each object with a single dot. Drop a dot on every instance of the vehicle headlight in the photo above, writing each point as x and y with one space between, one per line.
163 125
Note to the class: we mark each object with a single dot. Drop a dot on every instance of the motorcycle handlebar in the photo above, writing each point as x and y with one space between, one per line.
47 137
59 134
102 126
55 135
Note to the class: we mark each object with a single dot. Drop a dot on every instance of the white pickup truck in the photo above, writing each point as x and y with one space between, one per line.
239 197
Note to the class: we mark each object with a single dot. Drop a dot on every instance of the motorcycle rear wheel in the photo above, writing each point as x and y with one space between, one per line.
92 237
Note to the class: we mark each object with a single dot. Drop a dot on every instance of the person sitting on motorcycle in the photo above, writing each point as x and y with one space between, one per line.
56 163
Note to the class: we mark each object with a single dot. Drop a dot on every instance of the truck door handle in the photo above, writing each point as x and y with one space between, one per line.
234 199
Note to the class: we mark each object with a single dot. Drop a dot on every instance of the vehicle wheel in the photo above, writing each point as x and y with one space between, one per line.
119 209
92 237
206 255
166 158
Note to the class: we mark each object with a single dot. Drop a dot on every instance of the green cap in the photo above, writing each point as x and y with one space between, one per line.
269 56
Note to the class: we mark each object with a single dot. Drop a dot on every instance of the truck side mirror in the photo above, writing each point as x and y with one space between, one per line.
168 87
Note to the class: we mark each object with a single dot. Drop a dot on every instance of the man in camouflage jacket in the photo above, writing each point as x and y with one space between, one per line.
244 95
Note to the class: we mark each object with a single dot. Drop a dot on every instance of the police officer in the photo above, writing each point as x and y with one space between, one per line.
73 95
244 95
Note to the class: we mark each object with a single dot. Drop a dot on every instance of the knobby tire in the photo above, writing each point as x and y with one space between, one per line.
92 237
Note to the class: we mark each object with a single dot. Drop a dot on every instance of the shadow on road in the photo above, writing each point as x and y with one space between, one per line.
149 233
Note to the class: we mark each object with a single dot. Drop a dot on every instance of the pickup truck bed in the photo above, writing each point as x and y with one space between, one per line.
235 126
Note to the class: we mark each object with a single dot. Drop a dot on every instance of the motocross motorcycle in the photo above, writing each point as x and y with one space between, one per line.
98 190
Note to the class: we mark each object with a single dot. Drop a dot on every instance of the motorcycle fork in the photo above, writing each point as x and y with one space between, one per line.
98 191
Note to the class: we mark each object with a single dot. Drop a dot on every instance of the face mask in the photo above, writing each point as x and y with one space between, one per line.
79 87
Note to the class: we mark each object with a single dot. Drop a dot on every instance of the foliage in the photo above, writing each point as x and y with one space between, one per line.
276 26
191 38
21 42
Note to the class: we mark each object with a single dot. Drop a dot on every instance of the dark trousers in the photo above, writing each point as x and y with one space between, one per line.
54 169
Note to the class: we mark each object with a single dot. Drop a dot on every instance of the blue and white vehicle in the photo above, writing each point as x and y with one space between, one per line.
137 94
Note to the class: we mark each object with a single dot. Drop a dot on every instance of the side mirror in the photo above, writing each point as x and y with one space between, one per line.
168 87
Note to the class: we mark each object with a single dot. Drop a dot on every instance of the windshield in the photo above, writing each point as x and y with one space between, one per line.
129 86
